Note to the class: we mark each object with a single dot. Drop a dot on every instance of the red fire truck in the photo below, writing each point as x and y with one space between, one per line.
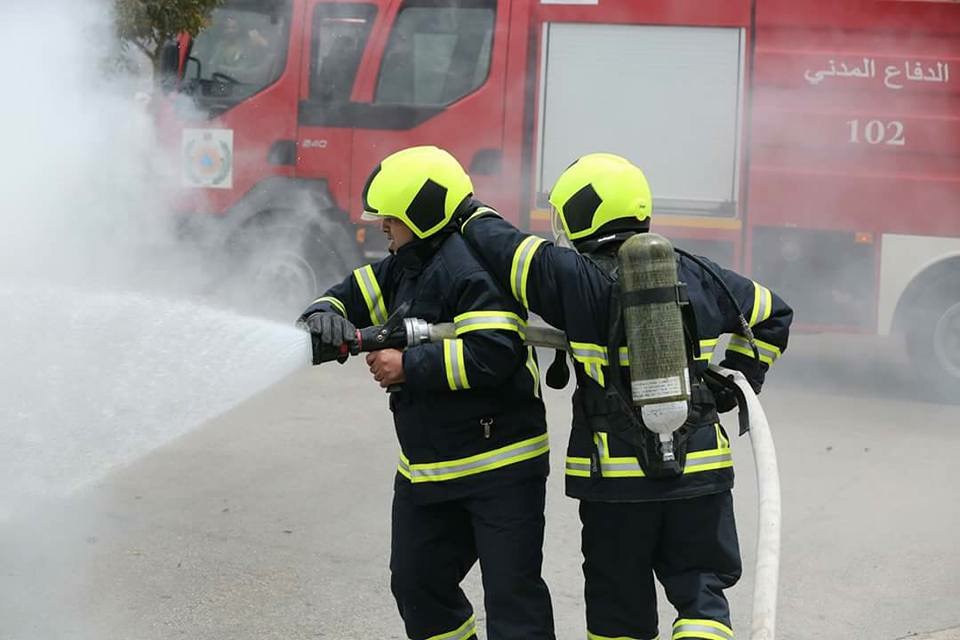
815 144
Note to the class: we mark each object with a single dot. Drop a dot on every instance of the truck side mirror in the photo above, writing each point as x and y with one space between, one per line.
168 66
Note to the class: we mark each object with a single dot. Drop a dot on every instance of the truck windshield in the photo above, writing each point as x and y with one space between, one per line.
242 51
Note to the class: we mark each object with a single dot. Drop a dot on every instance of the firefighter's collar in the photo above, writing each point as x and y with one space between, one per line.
416 253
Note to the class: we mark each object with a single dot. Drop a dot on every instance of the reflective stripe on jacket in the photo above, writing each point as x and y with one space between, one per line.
571 292
470 407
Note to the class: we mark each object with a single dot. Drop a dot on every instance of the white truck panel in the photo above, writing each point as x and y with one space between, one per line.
668 98
903 258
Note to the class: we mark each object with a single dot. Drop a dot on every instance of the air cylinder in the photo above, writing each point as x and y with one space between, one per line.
659 376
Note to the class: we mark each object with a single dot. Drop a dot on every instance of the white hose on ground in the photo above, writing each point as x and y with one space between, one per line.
767 569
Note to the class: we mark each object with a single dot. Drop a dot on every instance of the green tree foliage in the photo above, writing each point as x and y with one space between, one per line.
148 24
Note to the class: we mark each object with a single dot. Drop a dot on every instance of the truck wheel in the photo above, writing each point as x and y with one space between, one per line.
285 265
332 251
933 341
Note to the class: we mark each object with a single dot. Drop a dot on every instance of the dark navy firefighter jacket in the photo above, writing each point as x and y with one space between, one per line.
469 414
573 293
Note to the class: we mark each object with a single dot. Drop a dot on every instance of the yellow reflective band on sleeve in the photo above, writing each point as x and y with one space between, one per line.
476 214
455 365
534 371
768 352
480 463
707 347
595 371
489 320
593 357
629 466
333 301
588 352
522 258
370 289
624 357
701 629
762 304
462 632
595 636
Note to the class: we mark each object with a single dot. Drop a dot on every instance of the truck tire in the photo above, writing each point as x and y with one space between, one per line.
286 264
933 342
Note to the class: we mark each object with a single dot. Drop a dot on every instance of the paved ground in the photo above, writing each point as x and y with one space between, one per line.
945 634
271 522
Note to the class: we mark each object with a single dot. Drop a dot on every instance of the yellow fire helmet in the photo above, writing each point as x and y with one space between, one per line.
597 189
422 186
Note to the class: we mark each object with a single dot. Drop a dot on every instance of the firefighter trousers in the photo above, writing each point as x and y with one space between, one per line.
435 545
690 545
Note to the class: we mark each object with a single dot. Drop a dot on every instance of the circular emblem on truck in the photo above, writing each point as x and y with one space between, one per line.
208 158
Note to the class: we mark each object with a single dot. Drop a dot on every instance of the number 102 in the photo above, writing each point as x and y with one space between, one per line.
877 132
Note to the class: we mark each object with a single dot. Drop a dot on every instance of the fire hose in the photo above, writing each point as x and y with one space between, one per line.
400 332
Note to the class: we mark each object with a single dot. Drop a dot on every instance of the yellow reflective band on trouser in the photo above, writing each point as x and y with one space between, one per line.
593 357
534 371
629 466
370 289
701 629
522 258
333 301
596 636
455 365
480 463
762 304
487 320
707 347
768 352
462 632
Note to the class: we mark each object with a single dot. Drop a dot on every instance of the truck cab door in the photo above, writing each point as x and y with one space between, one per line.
338 38
436 75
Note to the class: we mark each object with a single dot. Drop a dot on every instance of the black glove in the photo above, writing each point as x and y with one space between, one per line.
752 370
331 329
725 398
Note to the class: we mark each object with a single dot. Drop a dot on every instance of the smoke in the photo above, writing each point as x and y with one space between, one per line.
93 277
105 353
83 186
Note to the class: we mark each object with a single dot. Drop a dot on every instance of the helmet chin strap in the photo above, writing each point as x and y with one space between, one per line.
602 241
561 240
611 236
559 233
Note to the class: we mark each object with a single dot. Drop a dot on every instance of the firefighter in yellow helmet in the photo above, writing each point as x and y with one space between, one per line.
641 517
470 483
580 212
